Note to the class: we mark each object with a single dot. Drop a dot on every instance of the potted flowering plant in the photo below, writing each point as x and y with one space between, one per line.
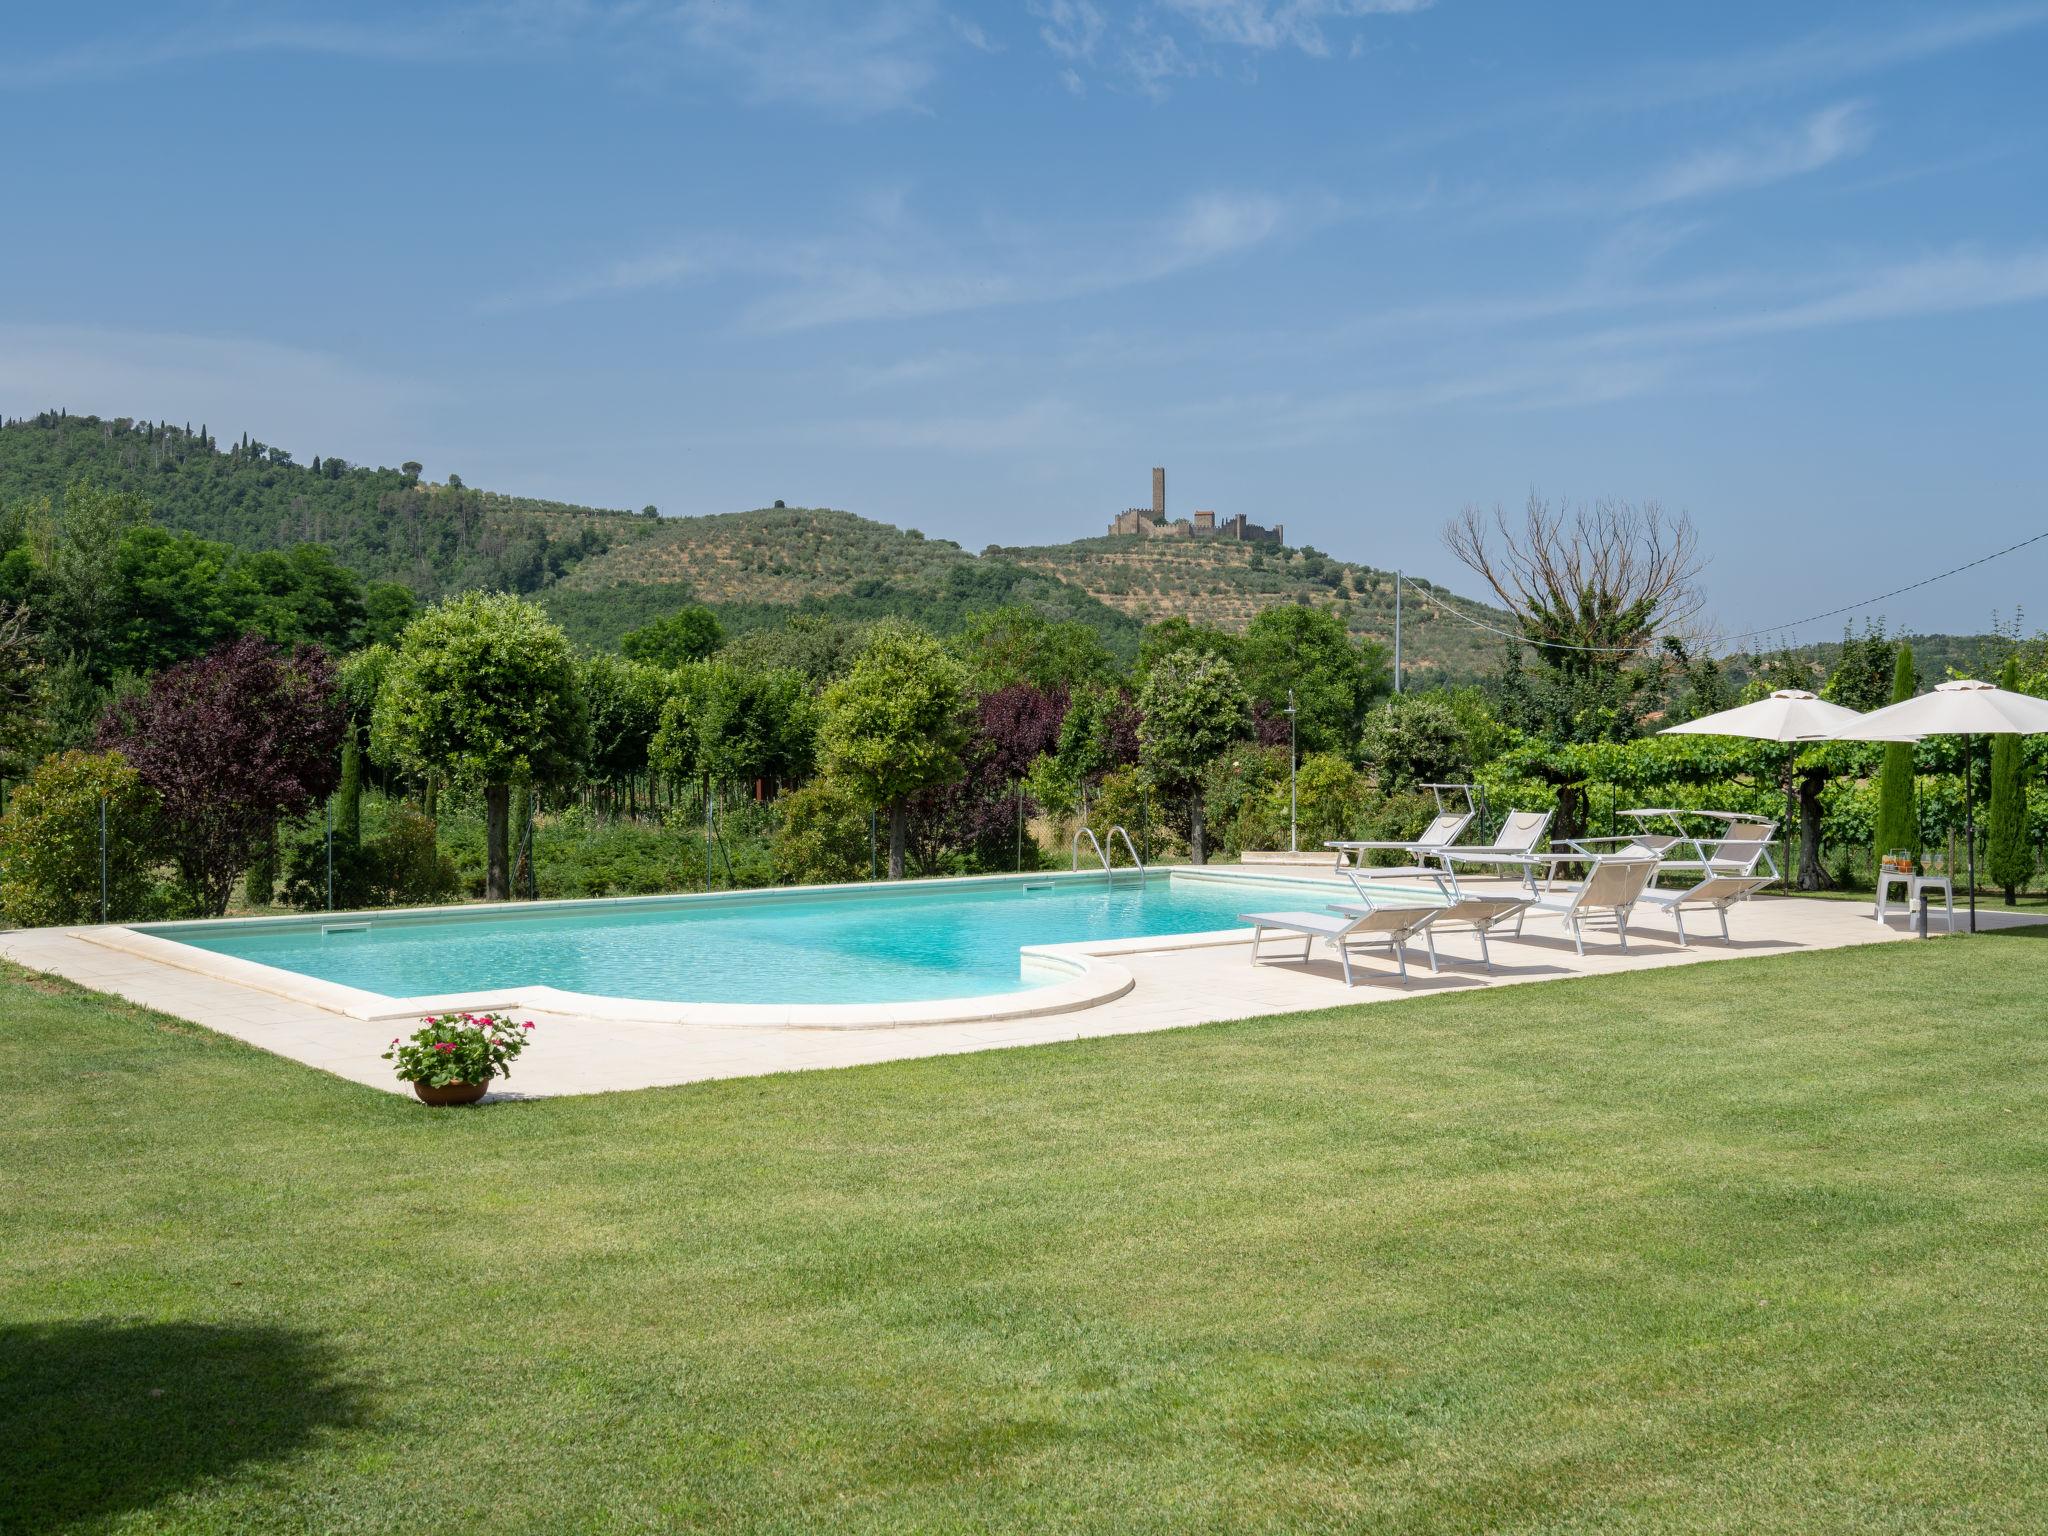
452 1057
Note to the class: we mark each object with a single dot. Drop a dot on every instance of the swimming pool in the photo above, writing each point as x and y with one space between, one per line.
924 942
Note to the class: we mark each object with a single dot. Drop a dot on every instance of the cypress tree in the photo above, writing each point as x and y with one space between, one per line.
2011 860
1898 810
260 883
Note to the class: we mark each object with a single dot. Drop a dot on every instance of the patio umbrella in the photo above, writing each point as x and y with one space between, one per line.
1965 708
1788 715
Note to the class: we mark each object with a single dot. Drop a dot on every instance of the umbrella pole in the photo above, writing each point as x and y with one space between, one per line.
1970 832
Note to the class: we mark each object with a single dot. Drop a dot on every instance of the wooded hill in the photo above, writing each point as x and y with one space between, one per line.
603 572
385 524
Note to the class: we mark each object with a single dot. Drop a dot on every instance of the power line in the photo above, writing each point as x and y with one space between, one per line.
1925 581
1545 645
1748 634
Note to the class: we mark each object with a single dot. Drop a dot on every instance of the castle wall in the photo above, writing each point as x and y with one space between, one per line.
1153 523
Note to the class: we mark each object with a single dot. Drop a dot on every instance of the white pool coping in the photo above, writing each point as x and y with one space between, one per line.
1092 973
1177 982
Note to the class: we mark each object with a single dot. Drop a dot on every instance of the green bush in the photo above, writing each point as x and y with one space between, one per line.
823 836
50 842
1414 739
400 865
1127 798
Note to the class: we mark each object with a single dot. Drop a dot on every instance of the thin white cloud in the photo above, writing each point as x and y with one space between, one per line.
767 51
1953 282
1043 424
1504 354
1265 25
1833 134
1152 47
881 62
1070 28
1839 54
891 268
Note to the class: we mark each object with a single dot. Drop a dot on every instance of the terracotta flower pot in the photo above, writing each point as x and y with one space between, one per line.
451 1093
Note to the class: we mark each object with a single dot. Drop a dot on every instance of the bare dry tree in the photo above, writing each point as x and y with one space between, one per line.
1590 587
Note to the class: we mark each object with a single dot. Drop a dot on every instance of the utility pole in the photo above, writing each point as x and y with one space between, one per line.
1292 758
1397 631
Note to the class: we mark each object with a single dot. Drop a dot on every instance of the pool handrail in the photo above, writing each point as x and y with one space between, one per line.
1124 832
1084 830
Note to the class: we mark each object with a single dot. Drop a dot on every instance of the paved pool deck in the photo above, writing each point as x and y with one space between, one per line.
1171 988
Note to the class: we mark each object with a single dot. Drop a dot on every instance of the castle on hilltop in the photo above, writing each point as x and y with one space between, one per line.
1153 523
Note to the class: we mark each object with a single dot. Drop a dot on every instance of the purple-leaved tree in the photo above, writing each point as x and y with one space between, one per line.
232 743
977 814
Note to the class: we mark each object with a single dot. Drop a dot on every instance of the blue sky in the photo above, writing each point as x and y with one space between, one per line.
975 269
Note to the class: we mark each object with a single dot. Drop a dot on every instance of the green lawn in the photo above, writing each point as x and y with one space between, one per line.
1754 1247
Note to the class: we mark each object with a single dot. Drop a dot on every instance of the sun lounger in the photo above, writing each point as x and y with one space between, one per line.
1714 893
1513 847
1445 829
1742 844
1457 909
1614 883
1392 926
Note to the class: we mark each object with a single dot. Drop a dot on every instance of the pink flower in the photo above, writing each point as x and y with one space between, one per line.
444 1045
527 1025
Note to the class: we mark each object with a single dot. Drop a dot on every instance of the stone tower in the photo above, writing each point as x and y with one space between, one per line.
1159 494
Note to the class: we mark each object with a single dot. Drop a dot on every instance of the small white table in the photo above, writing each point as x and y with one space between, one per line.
1915 884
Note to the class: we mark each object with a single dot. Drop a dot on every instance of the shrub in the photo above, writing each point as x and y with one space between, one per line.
1126 798
1394 818
1414 739
401 866
50 842
1247 799
823 839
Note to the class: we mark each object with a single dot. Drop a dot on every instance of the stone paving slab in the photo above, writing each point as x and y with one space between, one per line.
1173 987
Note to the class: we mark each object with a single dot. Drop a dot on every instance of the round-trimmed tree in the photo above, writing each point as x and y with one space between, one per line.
896 724
484 690
1191 708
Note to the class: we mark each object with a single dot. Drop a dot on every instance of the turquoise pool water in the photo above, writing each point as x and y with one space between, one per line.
868 947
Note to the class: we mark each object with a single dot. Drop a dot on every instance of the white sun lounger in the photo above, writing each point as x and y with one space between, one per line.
1514 846
1715 893
1445 829
1614 883
1392 926
1458 909
1743 843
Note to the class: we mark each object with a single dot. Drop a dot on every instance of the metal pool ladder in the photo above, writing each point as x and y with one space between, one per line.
1108 868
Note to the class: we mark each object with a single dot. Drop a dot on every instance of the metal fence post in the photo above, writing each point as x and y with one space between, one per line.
330 855
103 858
874 867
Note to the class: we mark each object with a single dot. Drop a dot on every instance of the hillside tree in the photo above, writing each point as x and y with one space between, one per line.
1191 708
483 690
688 634
1589 590
1333 678
231 743
896 724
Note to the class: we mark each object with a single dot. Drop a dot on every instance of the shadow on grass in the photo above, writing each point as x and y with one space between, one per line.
99 1418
